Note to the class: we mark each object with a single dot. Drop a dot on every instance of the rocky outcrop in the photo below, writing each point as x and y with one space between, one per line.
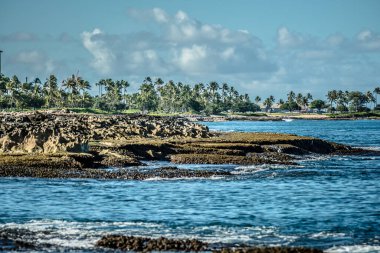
77 141
138 244
145 244
39 133
54 133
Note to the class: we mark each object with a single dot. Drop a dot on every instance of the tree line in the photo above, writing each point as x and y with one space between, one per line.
169 97
153 95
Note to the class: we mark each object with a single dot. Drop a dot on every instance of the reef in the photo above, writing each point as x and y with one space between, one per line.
69 145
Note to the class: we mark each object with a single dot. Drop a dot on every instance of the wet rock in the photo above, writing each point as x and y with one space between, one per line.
145 244
250 158
125 174
286 149
132 243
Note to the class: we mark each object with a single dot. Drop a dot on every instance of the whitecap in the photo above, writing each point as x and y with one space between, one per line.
325 235
354 249
183 178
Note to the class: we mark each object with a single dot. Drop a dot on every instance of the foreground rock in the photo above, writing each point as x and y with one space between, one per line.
125 174
133 243
76 145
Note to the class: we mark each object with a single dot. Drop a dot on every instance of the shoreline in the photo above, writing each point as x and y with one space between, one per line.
217 118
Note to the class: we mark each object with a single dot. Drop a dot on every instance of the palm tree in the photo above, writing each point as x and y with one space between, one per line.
332 96
148 97
83 85
299 99
268 102
291 96
257 99
12 87
371 98
148 80
50 89
224 93
71 85
124 86
158 83
213 88
305 101
101 83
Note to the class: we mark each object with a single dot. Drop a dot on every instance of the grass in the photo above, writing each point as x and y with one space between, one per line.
375 114
251 114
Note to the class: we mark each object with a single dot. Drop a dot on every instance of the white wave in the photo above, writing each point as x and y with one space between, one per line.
325 235
183 178
243 171
75 234
354 249
374 148
252 169
80 235
257 235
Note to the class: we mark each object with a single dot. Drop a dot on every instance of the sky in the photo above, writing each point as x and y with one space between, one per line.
261 47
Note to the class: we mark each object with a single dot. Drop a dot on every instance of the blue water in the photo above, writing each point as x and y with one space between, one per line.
332 203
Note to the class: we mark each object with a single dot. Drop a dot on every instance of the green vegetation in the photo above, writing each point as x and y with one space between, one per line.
356 115
156 97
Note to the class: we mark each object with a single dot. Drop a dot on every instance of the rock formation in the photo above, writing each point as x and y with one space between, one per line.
47 141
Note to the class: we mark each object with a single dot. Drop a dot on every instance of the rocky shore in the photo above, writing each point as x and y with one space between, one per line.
144 244
68 145
11 241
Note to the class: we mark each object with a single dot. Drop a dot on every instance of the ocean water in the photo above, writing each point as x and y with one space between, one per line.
331 203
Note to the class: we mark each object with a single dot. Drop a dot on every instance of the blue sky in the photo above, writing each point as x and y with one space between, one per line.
261 47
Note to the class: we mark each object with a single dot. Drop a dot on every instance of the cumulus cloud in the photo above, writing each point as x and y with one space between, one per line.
103 57
182 46
178 45
285 38
316 64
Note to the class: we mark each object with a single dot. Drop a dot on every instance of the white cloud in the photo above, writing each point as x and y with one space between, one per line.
185 48
182 46
191 60
368 40
160 15
103 57
285 38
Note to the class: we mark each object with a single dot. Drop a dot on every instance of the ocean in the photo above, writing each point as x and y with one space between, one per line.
326 202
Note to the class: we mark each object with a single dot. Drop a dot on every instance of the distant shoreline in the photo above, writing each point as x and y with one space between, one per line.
217 118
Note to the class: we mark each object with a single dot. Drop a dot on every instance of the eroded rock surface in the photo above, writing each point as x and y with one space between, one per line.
57 132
